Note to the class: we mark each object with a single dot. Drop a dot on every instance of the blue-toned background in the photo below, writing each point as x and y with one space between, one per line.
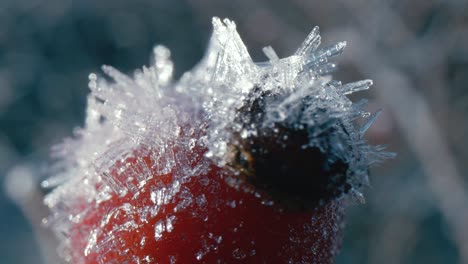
416 52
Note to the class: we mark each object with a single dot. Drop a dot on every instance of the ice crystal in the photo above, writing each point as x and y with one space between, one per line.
152 114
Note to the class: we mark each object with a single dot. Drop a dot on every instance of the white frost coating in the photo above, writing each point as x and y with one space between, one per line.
159 229
148 113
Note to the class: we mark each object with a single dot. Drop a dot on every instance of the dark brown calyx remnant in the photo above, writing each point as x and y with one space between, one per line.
280 161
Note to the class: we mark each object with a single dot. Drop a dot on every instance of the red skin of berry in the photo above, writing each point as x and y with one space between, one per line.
211 226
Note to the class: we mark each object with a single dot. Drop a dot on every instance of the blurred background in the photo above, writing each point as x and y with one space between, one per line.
416 51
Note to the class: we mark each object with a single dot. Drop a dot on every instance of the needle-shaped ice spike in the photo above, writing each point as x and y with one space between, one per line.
358 196
321 56
327 69
359 105
369 122
353 87
336 49
118 76
310 44
270 53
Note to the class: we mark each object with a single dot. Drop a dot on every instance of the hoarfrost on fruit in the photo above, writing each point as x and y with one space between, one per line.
148 125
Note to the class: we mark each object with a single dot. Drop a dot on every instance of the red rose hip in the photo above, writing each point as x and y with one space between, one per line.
201 218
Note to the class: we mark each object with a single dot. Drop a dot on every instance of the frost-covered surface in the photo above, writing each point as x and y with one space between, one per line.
154 115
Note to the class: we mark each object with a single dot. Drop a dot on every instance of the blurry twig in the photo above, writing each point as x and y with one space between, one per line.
421 130
22 187
394 241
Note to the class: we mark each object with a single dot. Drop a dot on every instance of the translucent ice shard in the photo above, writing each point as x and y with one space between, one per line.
356 86
271 54
310 44
369 122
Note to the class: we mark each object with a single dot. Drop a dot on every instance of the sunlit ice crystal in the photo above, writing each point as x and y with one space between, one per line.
151 115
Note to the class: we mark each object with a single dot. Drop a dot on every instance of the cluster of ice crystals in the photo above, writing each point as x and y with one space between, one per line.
152 114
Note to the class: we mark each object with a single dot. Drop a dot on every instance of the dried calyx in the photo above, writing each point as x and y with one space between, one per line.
279 161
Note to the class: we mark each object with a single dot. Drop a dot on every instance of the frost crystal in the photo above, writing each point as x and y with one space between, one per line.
150 114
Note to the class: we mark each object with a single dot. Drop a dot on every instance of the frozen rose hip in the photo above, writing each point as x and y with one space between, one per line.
202 218
237 162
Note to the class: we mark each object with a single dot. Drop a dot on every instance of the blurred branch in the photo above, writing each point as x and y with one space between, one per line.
414 116
394 240
22 187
